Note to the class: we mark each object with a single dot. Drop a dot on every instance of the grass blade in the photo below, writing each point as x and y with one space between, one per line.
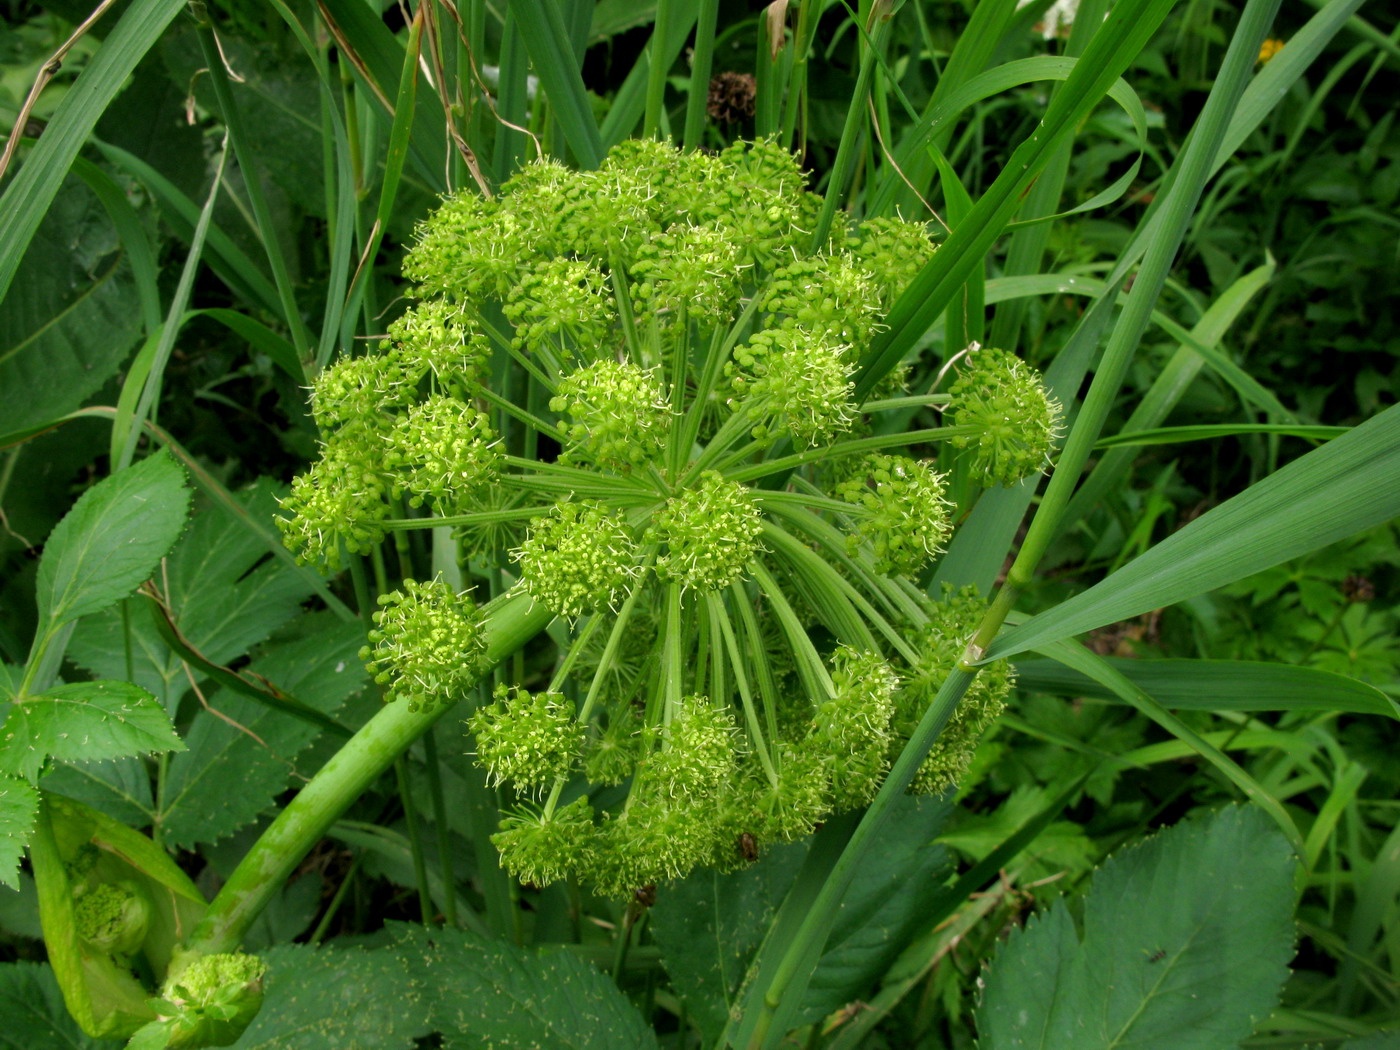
552 54
25 202
1344 487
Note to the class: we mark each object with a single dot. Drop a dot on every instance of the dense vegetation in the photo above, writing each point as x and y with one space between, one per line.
634 524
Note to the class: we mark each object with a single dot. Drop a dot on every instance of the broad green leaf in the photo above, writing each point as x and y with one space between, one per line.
37 182
111 540
224 598
35 1017
252 746
19 804
491 993
709 926
1375 1041
1344 487
884 907
474 992
82 722
1217 685
1185 943
72 316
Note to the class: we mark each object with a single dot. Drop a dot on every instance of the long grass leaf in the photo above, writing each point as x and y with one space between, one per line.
1217 685
551 52
1074 655
1345 487
27 199
1127 30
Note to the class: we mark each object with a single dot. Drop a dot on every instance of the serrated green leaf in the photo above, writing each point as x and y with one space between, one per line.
490 993
883 908
120 788
35 1017
83 722
222 599
1186 942
709 925
1344 487
111 540
19 805
252 746
335 998
72 316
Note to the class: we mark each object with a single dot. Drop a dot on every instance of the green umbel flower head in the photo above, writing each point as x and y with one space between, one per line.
209 1000
617 413
941 642
853 725
652 364
1014 420
800 380
529 739
709 533
442 450
427 646
906 522
577 558
113 917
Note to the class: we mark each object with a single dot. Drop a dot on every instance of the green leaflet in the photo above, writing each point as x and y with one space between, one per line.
111 540
85 721
72 316
224 597
475 993
1344 487
19 804
1186 939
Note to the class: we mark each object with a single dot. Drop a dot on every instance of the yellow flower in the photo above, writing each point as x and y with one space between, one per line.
1269 48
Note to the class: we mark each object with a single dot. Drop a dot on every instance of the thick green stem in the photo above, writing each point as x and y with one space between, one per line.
353 768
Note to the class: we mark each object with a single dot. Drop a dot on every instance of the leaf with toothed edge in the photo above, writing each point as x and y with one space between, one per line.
85 721
19 804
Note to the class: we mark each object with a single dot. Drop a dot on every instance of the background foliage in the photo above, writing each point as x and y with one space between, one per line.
183 247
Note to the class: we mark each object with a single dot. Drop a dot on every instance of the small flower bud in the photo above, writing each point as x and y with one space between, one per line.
619 414
427 645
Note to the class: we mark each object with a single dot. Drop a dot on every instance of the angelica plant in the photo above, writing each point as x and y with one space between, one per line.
640 380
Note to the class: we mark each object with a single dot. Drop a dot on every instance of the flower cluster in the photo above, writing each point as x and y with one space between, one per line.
1013 420
427 645
727 537
906 522
577 558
